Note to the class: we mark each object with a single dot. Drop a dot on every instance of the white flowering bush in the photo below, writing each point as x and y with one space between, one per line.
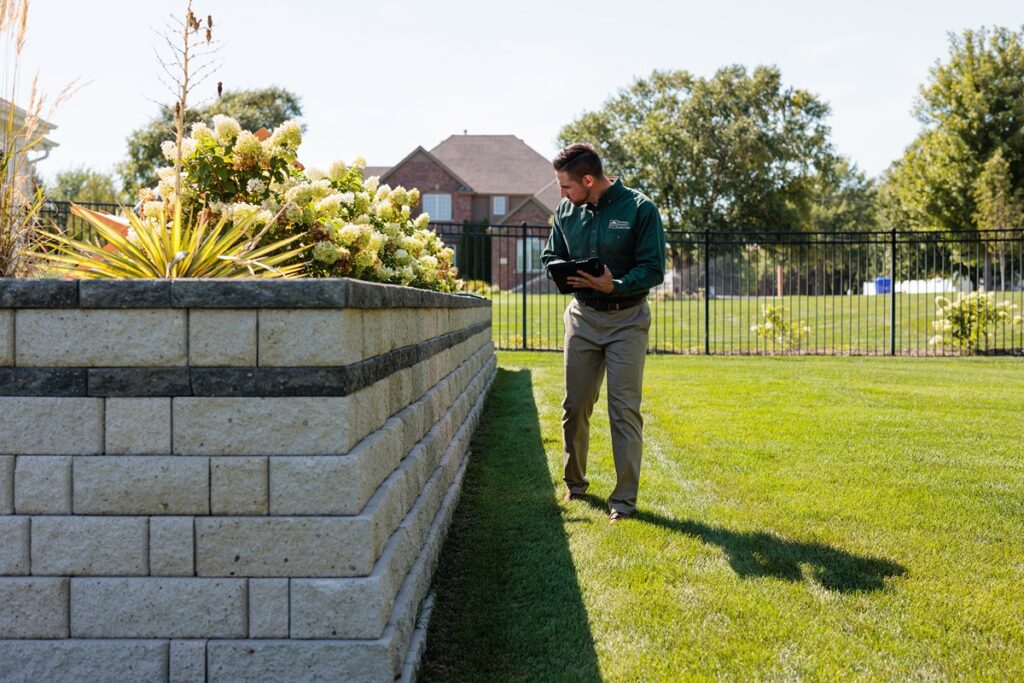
963 323
355 226
775 327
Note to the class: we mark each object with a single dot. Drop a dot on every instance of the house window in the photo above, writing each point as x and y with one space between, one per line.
439 206
499 206
528 254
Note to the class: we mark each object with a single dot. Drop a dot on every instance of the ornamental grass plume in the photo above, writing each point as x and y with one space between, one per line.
23 132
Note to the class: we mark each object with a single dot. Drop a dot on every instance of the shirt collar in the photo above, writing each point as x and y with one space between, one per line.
608 196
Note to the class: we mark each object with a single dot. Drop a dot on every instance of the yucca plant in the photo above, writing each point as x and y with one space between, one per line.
183 248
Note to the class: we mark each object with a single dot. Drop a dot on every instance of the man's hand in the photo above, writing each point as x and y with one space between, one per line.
603 283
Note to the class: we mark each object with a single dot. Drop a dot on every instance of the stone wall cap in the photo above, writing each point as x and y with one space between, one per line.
224 293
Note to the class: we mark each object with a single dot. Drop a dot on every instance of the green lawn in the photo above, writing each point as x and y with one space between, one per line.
800 519
835 323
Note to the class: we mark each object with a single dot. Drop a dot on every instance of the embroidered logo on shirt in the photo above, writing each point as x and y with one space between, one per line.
618 225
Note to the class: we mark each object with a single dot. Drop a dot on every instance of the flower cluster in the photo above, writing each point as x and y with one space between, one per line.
356 226
970 319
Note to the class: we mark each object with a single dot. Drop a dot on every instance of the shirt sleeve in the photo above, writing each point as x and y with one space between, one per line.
556 250
649 270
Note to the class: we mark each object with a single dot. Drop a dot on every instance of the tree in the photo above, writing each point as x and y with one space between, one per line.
1000 209
971 106
85 185
738 152
253 109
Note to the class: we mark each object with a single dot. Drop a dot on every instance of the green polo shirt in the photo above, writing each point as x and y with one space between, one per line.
623 230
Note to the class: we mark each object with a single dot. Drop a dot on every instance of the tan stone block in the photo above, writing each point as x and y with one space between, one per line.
262 426
284 546
171 546
141 485
238 486
42 485
89 546
7 337
220 338
14 555
153 607
6 484
268 608
51 426
100 338
33 607
310 337
138 426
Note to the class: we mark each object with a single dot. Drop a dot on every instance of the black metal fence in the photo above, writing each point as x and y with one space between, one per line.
864 293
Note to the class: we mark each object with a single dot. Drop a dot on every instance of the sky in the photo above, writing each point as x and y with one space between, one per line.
377 79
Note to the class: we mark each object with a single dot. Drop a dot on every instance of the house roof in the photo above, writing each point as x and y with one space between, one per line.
375 171
44 127
419 150
495 164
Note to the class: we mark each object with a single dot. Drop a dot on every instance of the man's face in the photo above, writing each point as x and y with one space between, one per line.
576 191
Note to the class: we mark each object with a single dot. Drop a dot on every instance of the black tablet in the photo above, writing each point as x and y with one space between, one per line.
560 271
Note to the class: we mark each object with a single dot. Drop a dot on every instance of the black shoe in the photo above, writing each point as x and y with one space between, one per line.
617 516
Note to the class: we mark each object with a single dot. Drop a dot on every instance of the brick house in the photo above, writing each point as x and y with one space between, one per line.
468 184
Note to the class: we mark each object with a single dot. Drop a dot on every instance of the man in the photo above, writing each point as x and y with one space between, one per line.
607 321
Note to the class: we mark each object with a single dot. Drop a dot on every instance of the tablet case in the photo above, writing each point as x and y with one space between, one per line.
560 271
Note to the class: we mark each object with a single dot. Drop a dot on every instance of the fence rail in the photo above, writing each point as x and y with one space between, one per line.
851 293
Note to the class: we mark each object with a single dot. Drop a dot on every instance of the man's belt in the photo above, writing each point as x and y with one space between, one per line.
612 304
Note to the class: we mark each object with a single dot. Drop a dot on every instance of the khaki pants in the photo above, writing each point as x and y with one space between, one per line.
595 342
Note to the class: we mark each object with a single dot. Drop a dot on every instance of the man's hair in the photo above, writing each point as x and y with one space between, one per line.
579 160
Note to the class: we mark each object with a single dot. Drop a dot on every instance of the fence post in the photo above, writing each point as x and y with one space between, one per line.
523 266
892 293
707 292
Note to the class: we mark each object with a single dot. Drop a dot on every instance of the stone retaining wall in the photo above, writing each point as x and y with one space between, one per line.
227 480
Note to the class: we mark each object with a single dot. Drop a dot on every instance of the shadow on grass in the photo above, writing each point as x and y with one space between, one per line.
508 604
753 555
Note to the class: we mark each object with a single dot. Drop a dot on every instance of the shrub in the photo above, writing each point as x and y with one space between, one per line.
353 226
971 318
779 330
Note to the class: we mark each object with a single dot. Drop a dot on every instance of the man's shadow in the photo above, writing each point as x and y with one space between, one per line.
763 554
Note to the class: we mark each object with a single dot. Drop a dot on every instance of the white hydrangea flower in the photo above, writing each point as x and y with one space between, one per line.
348 198
255 186
337 171
248 145
202 133
326 252
422 221
226 128
153 209
286 136
331 204
371 184
359 162
188 147
169 150
382 193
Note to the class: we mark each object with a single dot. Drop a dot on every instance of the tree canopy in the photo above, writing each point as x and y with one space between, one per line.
971 108
84 184
739 151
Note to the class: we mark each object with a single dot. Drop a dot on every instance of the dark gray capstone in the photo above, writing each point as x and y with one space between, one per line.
39 293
